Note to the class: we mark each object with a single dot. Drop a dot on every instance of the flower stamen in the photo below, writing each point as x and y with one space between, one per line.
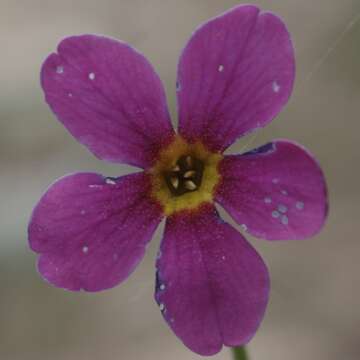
190 185
185 176
189 161
189 174
174 182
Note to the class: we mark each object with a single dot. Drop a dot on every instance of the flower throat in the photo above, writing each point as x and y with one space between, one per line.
185 176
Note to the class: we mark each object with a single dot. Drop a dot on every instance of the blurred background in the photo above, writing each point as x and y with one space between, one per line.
314 308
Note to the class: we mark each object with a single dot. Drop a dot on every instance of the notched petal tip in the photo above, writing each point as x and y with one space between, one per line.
212 286
236 73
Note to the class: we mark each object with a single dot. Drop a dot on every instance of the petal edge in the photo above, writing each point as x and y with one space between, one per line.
91 231
235 75
277 191
109 98
212 286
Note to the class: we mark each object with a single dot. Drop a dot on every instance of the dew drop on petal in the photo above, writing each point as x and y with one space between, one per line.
276 87
267 200
300 205
282 208
95 186
85 249
82 212
110 181
162 287
284 192
221 68
275 181
59 69
284 220
92 76
244 227
162 307
275 214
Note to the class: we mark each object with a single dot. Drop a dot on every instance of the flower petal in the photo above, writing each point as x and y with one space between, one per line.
109 97
92 231
235 75
212 286
277 191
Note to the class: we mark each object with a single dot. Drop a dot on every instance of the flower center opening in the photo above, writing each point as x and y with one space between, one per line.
185 176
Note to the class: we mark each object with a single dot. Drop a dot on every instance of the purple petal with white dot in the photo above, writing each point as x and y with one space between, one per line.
212 287
90 232
109 97
235 75
288 175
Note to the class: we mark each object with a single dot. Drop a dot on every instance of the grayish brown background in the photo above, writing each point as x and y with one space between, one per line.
314 307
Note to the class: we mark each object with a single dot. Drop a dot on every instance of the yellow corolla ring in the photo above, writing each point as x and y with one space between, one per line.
168 161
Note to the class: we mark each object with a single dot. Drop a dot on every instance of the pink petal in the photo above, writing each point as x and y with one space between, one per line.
92 231
109 97
235 75
277 191
212 286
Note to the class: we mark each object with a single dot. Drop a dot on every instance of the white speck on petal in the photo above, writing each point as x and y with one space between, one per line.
92 76
276 87
94 186
284 192
275 181
284 220
221 68
162 307
282 208
85 249
275 214
267 200
300 205
110 181
162 287
59 69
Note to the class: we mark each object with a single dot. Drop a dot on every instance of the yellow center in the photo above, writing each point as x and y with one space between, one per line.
164 185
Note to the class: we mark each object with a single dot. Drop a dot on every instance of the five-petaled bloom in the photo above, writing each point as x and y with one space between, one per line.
234 76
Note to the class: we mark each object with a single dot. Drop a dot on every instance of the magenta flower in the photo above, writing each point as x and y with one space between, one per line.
234 76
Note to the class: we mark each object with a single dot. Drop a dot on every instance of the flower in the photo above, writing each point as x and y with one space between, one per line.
234 76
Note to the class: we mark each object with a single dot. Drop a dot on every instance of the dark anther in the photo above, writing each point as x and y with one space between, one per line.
185 176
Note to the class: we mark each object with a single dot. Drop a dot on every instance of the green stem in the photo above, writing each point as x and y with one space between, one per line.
240 353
